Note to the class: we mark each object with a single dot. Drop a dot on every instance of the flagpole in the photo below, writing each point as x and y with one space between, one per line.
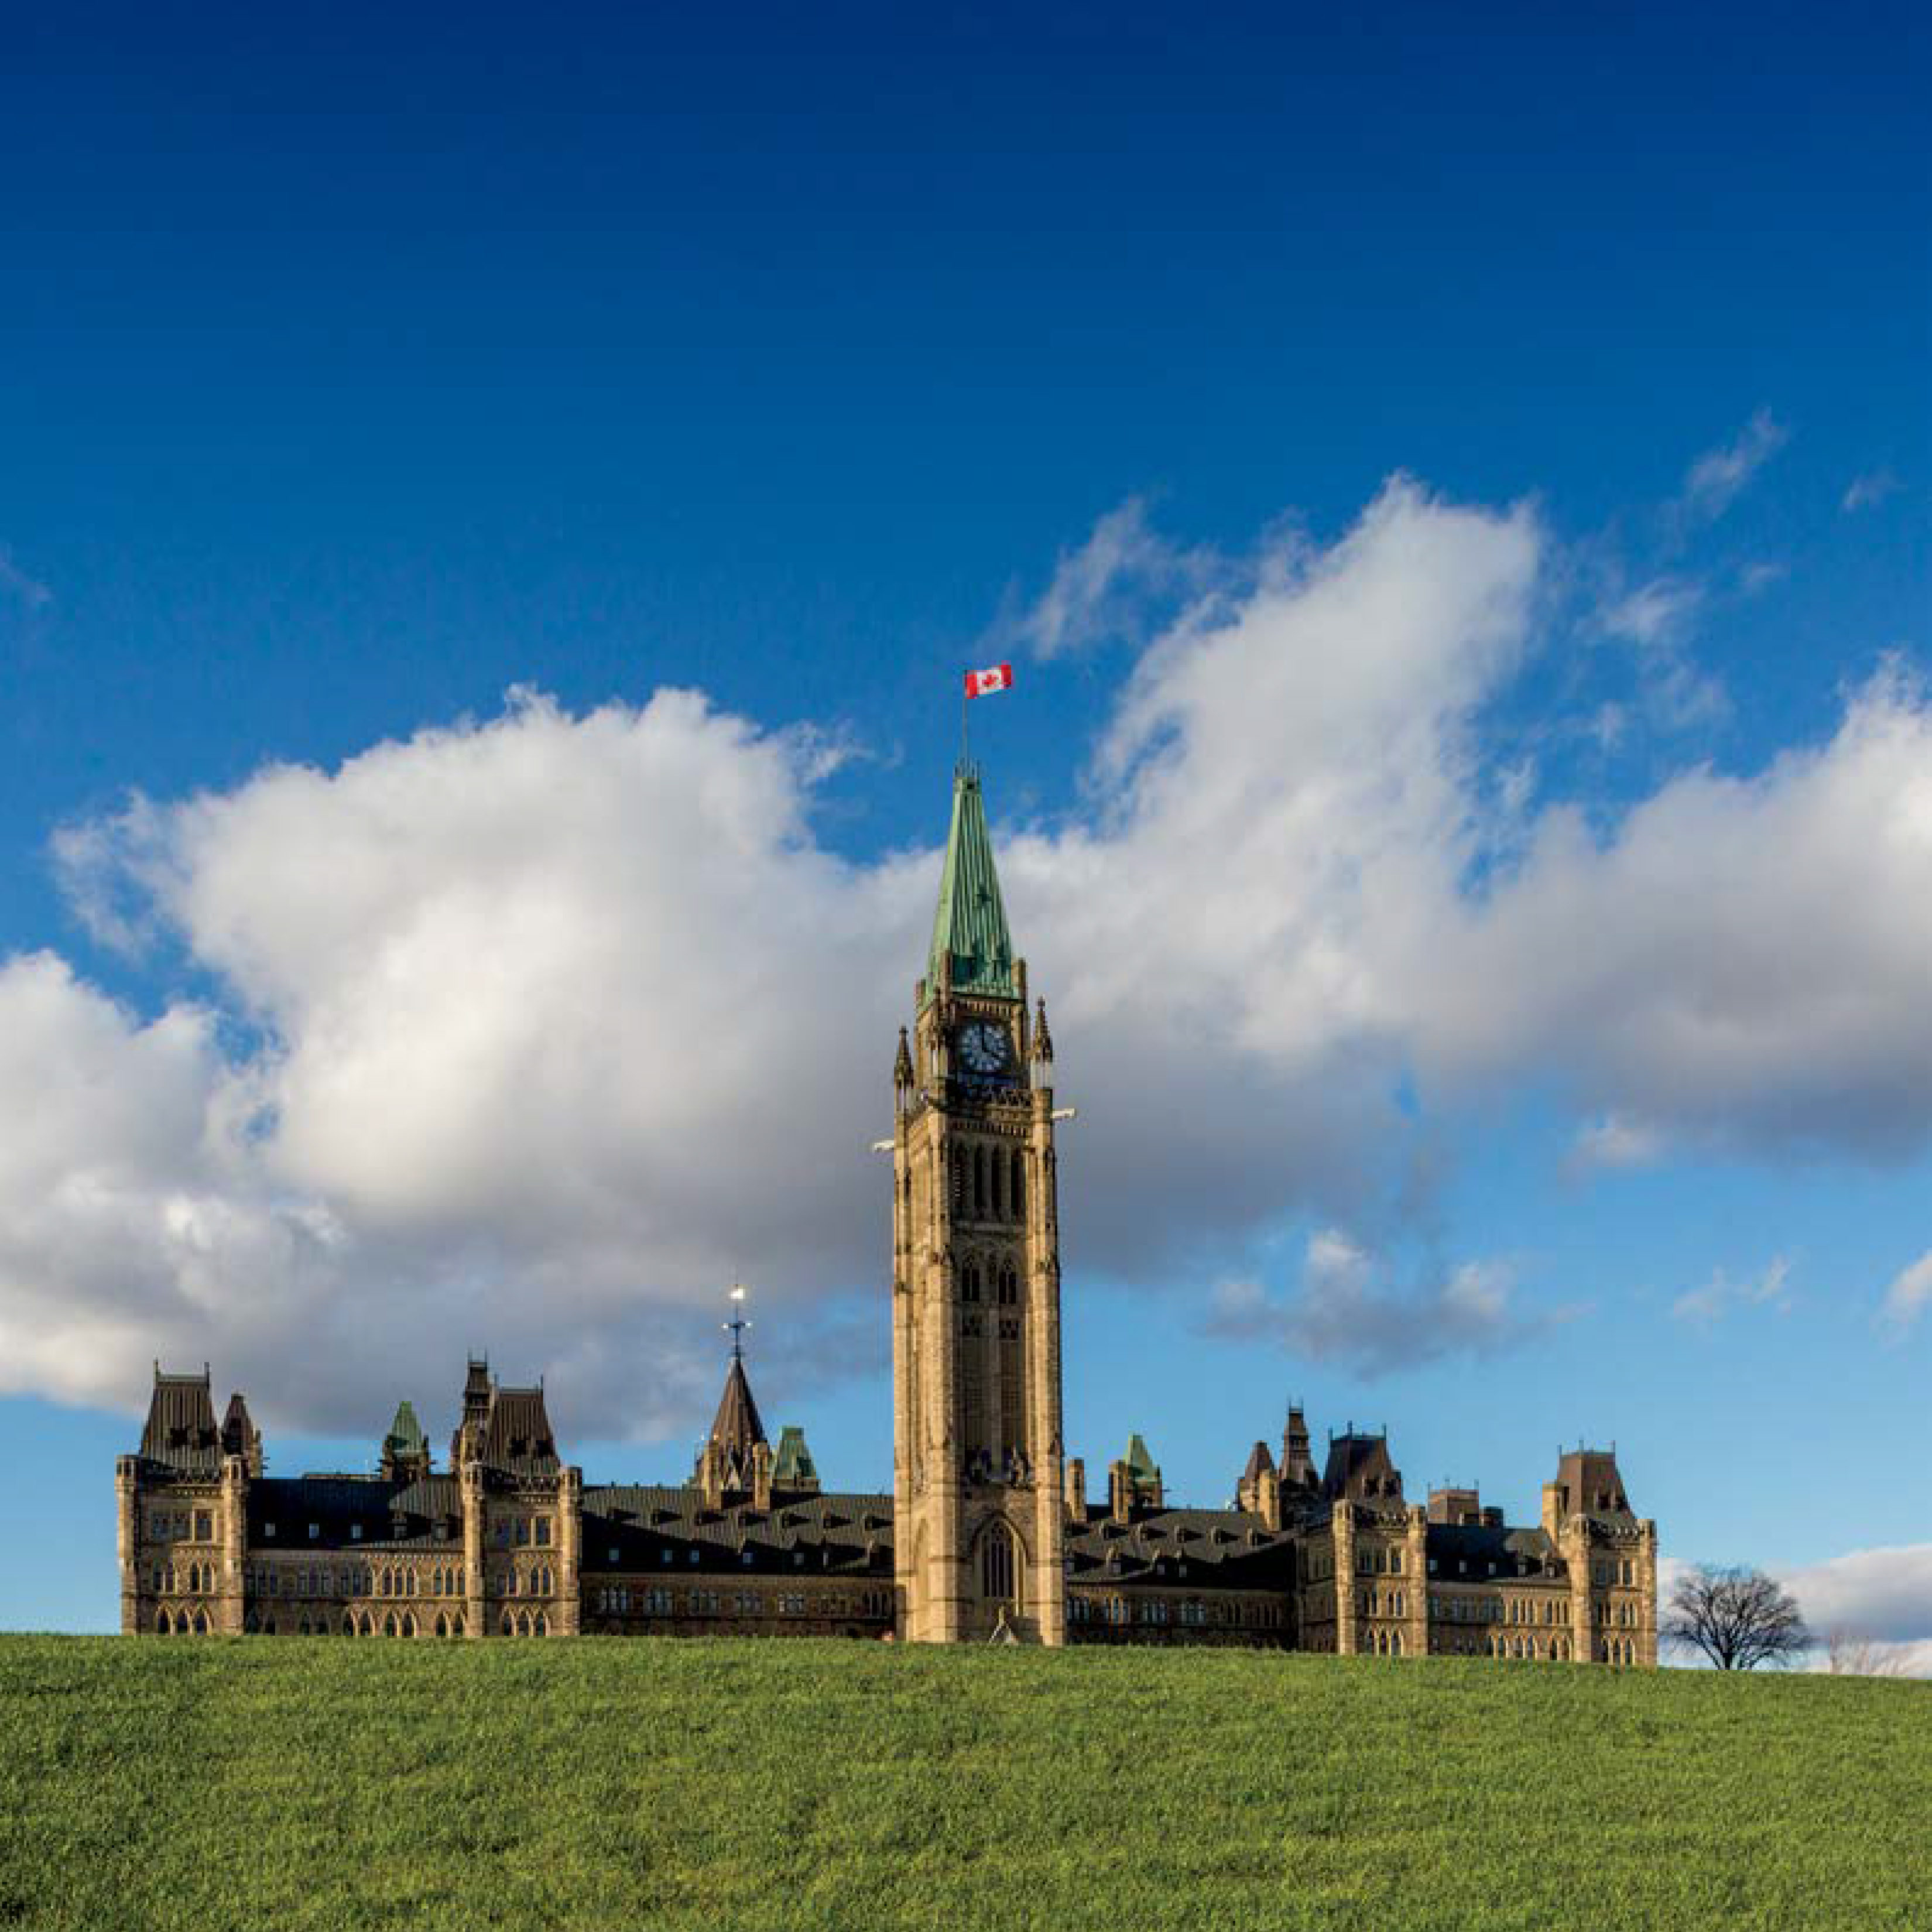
965 753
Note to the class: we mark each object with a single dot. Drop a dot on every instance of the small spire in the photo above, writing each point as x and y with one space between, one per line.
902 1063
1042 1040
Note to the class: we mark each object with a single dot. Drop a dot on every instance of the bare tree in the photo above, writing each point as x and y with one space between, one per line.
1738 1619
1849 1656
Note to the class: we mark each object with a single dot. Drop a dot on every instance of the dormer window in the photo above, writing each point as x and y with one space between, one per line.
314 1531
268 1531
355 1532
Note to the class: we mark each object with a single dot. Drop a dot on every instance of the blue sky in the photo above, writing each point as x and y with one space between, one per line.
354 373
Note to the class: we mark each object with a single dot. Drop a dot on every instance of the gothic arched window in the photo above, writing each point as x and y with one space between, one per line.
979 1182
1016 1190
1010 1285
997 1563
958 1181
969 1282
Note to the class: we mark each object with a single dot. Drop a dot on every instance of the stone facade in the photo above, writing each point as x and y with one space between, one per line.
988 1533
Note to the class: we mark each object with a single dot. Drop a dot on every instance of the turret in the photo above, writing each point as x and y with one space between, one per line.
902 1076
1298 1461
240 1437
475 1414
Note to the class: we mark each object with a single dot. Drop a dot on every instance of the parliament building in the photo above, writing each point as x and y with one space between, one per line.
989 1532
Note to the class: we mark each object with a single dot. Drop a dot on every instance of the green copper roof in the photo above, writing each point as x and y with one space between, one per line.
1140 1464
406 1437
971 922
794 1463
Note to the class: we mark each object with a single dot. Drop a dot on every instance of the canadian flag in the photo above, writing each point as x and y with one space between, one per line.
979 682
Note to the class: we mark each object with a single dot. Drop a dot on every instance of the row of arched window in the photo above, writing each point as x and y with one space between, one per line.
1191 1611
353 1623
523 1624
270 1580
998 1281
193 1578
989 1183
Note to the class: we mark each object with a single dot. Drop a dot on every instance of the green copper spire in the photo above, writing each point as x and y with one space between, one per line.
406 1437
971 924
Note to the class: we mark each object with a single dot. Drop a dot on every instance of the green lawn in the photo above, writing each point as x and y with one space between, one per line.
278 1783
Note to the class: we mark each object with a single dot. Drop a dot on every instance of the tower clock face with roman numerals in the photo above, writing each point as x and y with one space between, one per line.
985 1048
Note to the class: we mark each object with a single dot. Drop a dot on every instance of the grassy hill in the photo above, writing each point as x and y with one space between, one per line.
280 1783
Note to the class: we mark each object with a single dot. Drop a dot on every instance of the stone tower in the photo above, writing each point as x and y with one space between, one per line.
976 1475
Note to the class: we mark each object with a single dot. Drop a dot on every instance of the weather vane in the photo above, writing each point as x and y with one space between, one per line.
738 1322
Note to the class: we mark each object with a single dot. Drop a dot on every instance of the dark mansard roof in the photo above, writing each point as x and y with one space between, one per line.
517 1436
1359 1469
1226 1550
180 1430
1591 1485
389 1515
641 1521
1464 1552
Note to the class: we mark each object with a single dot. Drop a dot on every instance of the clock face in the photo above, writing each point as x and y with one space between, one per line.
983 1047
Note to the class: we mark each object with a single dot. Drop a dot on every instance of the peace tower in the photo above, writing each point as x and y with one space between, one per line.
976 1468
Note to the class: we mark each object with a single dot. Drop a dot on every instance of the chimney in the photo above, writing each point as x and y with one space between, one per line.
1268 1497
1076 1489
1553 1510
